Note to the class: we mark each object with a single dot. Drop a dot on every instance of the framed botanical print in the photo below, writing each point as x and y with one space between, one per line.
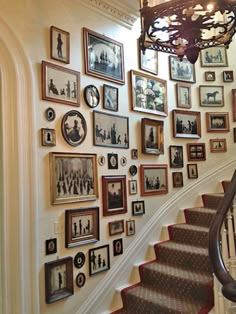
99 259
186 124
217 121
183 93
196 151
192 171
211 96
214 57
183 71
154 179
218 145
60 44
152 136
176 156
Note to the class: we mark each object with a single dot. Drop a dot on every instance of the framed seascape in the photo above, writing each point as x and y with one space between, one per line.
154 179
99 259
186 124
152 136
73 177
217 121
60 44
211 96
183 71
214 57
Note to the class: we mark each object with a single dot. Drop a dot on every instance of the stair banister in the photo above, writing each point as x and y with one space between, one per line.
219 268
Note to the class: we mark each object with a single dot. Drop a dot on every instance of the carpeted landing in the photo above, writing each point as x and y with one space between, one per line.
179 280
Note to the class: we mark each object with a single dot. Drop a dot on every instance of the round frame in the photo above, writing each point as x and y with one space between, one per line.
101 160
133 170
74 128
80 280
123 161
50 114
79 260
91 96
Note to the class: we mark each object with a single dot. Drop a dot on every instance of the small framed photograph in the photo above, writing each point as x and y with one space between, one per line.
228 76
112 161
116 227
117 247
177 179
196 151
138 208
176 156
91 96
104 57
134 153
192 171
80 280
148 61
99 259
130 227
133 187
58 279
152 136
51 246
60 84
110 97
50 114
154 179
186 124
48 137
114 195
211 96
183 93
81 226
218 145
233 92
217 121
214 57
60 44
183 71
66 171
210 76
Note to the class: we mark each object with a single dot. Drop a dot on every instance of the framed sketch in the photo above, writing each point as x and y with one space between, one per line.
186 124
114 195
228 76
148 61
99 259
149 94
60 84
91 96
217 121
192 171
152 136
214 57
110 130
138 208
48 137
117 247
133 187
196 151
218 145
233 92
51 246
177 179
176 156
154 179
60 44
211 96
50 114
58 279
183 71
130 227
74 128
116 227
112 161
104 57
210 76
110 97
101 160
80 280
73 177
183 93
81 226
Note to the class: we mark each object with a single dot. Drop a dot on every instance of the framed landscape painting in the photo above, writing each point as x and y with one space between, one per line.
186 124
183 71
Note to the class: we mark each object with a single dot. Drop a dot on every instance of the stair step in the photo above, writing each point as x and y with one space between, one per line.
212 200
225 184
200 216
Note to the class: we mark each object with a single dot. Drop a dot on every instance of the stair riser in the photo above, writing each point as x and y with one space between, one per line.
211 201
190 237
198 219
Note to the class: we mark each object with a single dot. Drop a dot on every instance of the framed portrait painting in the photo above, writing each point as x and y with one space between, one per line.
211 96
217 121
154 179
183 71
152 136
214 57
186 124
60 44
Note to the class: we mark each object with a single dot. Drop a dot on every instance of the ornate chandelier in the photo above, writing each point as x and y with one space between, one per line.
185 27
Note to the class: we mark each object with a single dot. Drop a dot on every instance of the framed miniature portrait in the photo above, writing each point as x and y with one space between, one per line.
133 187
138 208
217 121
123 161
50 114
214 57
79 260
218 145
91 96
186 124
130 227
211 96
183 93
80 280
148 61
152 136
110 97
176 156
154 179
210 76
177 179
183 71
51 246
192 171
112 161
48 137
101 160
196 151
99 259
116 227
228 76
133 170
60 44
117 247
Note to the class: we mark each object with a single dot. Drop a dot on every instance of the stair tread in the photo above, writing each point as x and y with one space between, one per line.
202 210
187 226
185 247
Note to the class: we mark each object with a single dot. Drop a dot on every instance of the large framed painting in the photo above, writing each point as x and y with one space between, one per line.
211 96
152 136
104 57
183 71
186 124
154 179
214 57
60 44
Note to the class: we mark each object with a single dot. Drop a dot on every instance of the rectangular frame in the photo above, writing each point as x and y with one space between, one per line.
58 279
210 76
186 124
148 60
116 227
110 97
177 178
59 44
154 179
196 151
60 84
48 137
114 195
211 96
183 95
65 172
176 156
138 208
218 145
149 94
104 57
214 57
110 130
81 226
183 71
217 121
192 171
133 187
99 259
152 136
130 227
228 76
233 93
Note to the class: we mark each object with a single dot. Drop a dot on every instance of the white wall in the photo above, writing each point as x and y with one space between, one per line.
28 23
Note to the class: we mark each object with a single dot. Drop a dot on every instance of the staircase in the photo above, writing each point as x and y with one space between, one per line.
179 280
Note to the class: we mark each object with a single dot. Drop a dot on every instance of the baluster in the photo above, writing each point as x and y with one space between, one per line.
224 248
216 295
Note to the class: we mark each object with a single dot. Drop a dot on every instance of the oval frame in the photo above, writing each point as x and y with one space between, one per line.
133 170
79 260
80 280
50 114
91 96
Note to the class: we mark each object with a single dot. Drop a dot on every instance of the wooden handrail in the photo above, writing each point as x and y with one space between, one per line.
219 269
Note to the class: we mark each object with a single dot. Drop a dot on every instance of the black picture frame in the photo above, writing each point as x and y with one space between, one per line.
51 246
50 114
176 156
138 208
118 247
112 161
80 280
99 259
79 260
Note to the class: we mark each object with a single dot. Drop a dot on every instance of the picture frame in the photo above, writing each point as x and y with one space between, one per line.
134 154
117 247
214 57
91 96
80 280
64 174
133 187
196 151
210 76
133 170
138 208
112 161
51 246
186 124
99 259
148 60
218 145
211 95
152 136
110 97
228 76
130 227
58 279
183 94
192 171
116 227
104 57
50 114
177 178
101 160
79 260
217 121
176 156
48 137
182 71
110 130
233 93
59 44
149 94
154 179
114 195
60 84
74 128
81 226
123 161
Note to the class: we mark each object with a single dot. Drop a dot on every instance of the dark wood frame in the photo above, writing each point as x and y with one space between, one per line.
177 178
128 223
118 247
234 132
180 103
210 50
44 135
228 76
136 212
211 101
210 76
178 126
217 115
112 160
184 63
114 91
176 156
233 93
196 151
152 136
51 246
65 37
105 258
113 227
219 141
192 175
93 99
131 191
163 185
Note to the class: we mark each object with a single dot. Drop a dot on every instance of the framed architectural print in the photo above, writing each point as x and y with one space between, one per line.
211 96
186 124
210 76
183 71
196 151
91 96
176 156
60 44
58 279
104 57
152 136
117 247
217 121
218 145
138 208
130 227
154 179
214 57
148 61
133 187
183 93
228 76
116 227
60 84
233 93
192 171
110 97
48 137
177 179
73 177
99 259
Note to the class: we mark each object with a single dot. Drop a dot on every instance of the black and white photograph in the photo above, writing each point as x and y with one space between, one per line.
117 247
214 57
211 96
148 60
186 124
99 259
48 137
112 161
91 96
183 71
110 97
152 136
154 179
60 44
138 208
176 156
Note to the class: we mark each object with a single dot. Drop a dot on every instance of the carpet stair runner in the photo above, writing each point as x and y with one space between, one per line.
179 280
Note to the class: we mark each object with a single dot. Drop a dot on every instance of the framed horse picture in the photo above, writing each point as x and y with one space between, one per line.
211 96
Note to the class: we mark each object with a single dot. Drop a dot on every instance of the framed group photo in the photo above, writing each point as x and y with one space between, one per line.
60 44
217 121
211 96
214 57
99 259
186 124
183 71
154 179
152 136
